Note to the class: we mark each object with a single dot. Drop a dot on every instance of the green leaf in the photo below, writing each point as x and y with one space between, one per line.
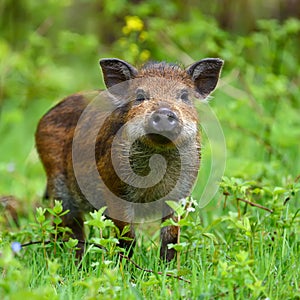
57 221
211 236
279 190
177 207
169 222
179 247
71 243
58 208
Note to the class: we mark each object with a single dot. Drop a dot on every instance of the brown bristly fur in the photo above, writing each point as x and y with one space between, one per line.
163 83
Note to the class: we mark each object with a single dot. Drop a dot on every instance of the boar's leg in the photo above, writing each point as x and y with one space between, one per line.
128 242
58 190
75 222
168 235
122 215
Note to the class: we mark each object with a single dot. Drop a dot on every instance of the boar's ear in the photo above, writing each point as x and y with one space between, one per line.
205 74
116 71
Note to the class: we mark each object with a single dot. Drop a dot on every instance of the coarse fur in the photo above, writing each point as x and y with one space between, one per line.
153 115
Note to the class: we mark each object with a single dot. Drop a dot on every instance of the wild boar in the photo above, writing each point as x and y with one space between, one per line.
137 147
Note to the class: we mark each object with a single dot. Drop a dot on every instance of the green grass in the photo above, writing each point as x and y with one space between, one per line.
254 255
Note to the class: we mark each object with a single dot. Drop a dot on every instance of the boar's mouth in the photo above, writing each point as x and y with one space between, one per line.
160 139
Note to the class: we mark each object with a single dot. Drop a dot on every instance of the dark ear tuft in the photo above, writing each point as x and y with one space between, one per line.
205 73
116 71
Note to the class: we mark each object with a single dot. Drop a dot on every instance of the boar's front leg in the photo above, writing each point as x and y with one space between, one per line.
57 189
168 235
128 242
122 215
74 221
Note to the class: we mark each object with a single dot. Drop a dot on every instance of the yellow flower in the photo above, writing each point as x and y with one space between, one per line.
133 23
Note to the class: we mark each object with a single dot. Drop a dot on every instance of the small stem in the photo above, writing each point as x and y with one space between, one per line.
178 242
226 194
238 207
255 204
55 239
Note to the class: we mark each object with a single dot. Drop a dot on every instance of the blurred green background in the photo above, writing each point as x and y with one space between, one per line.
50 49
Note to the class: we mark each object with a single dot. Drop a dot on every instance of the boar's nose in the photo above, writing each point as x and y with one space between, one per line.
164 121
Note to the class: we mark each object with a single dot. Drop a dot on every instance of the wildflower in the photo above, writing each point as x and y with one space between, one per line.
133 23
16 247
190 209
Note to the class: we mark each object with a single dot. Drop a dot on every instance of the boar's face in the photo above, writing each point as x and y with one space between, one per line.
161 98
162 110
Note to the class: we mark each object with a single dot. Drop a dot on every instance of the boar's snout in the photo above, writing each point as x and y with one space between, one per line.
163 123
163 120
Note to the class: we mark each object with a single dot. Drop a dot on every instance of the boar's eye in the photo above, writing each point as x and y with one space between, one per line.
141 95
184 96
